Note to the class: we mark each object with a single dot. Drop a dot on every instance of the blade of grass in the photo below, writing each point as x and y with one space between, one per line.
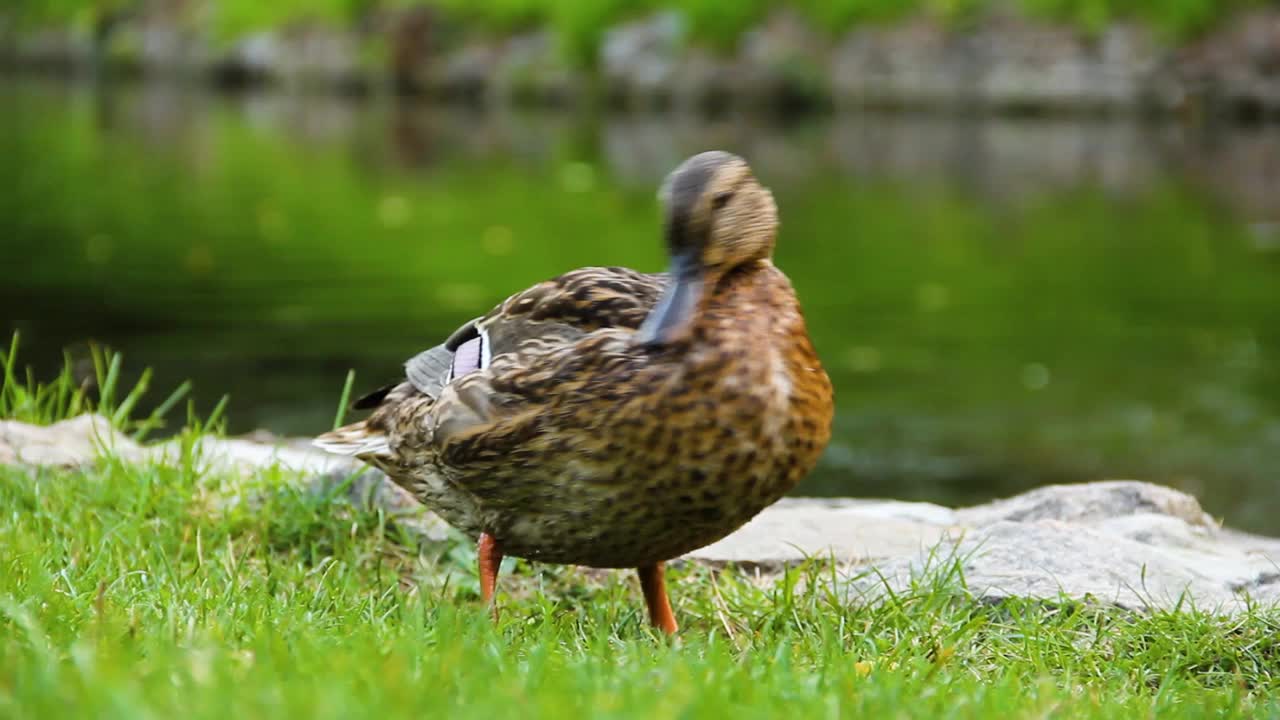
64 388
156 418
31 397
77 402
215 417
107 386
342 401
121 414
7 384
99 364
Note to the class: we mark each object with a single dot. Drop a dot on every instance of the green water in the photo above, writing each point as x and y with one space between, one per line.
1001 303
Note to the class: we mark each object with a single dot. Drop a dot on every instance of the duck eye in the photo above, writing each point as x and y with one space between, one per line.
719 201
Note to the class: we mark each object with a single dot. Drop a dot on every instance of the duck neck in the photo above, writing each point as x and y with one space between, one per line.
729 282
735 299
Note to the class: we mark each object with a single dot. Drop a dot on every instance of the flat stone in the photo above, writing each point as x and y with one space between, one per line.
248 456
1121 542
1054 560
847 531
75 442
1088 503
922 512
639 58
84 439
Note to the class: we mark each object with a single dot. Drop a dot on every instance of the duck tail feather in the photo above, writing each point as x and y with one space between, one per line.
358 439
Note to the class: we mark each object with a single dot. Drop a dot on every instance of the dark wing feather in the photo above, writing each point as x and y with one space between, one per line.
373 399
548 315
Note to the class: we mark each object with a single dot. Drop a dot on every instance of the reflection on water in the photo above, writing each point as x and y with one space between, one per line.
1001 302
1001 159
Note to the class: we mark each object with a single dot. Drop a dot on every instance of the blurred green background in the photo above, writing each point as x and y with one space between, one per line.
581 23
1001 301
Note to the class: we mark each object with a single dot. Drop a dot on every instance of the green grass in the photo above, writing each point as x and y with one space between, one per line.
25 399
159 591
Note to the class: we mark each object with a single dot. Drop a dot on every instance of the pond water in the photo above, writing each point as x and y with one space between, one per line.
1001 303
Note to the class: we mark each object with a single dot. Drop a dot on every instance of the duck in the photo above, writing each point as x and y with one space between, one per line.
611 418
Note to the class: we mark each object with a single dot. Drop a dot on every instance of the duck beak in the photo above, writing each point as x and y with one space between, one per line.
671 319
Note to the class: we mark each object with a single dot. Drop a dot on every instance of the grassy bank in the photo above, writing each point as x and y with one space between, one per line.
582 23
125 592
154 591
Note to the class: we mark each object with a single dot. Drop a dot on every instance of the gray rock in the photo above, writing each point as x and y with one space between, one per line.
920 512
161 44
849 531
786 60
244 457
1126 543
781 62
316 55
706 81
1238 65
1131 66
1156 530
257 55
54 46
71 443
917 62
1001 59
465 72
1022 63
1054 560
1089 503
638 60
524 67
531 67
1009 61
83 440
1005 61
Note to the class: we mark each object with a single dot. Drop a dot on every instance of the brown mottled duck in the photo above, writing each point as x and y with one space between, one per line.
612 418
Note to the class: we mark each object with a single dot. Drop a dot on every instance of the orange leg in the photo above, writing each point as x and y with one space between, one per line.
490 555
653 582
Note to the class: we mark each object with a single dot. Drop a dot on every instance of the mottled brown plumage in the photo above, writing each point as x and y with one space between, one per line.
614 418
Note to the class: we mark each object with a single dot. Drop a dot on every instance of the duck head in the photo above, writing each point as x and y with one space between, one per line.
717 217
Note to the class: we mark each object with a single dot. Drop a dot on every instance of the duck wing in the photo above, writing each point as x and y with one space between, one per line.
531 324
521 346
547 315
